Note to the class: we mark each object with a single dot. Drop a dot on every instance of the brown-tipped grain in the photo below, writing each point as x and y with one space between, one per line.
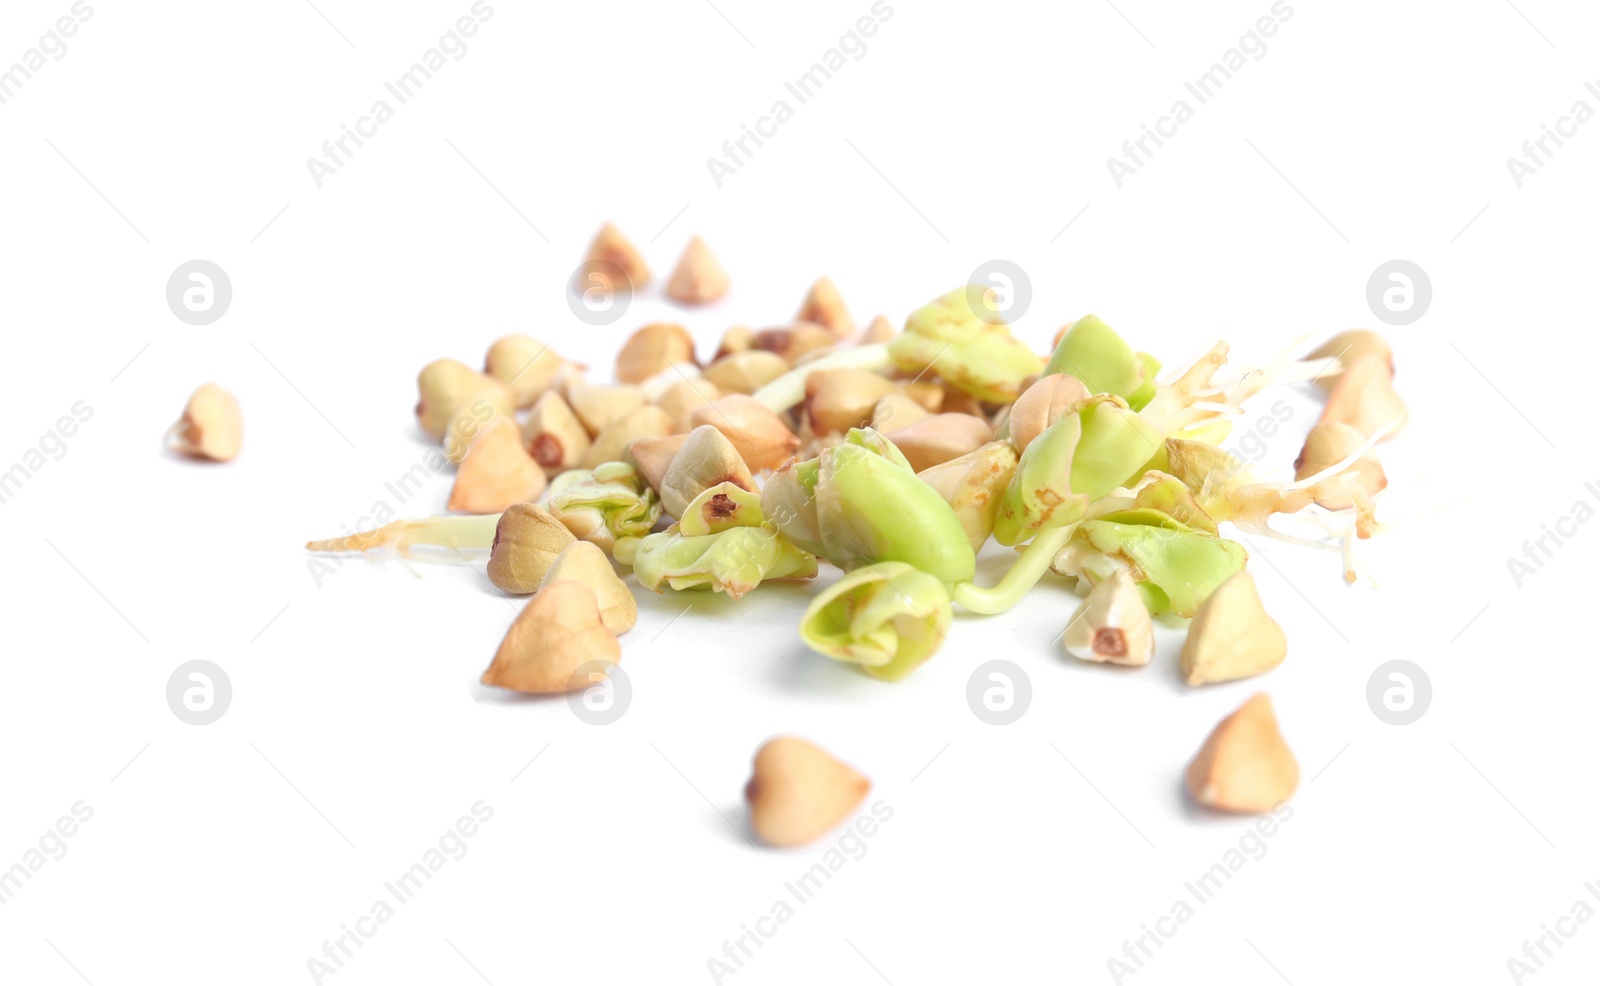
1112 625
708 458
555 437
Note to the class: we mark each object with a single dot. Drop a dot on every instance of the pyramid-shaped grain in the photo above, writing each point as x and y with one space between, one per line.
797 792
1244 766
611 247
497 472
699 277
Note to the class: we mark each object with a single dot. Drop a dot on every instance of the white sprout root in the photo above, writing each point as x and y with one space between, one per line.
1281 371
1193 396
457 533
1253 507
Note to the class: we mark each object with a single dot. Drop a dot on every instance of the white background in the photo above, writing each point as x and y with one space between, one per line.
357 734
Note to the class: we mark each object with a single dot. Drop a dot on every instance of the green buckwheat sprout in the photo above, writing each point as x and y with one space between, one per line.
1118 475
